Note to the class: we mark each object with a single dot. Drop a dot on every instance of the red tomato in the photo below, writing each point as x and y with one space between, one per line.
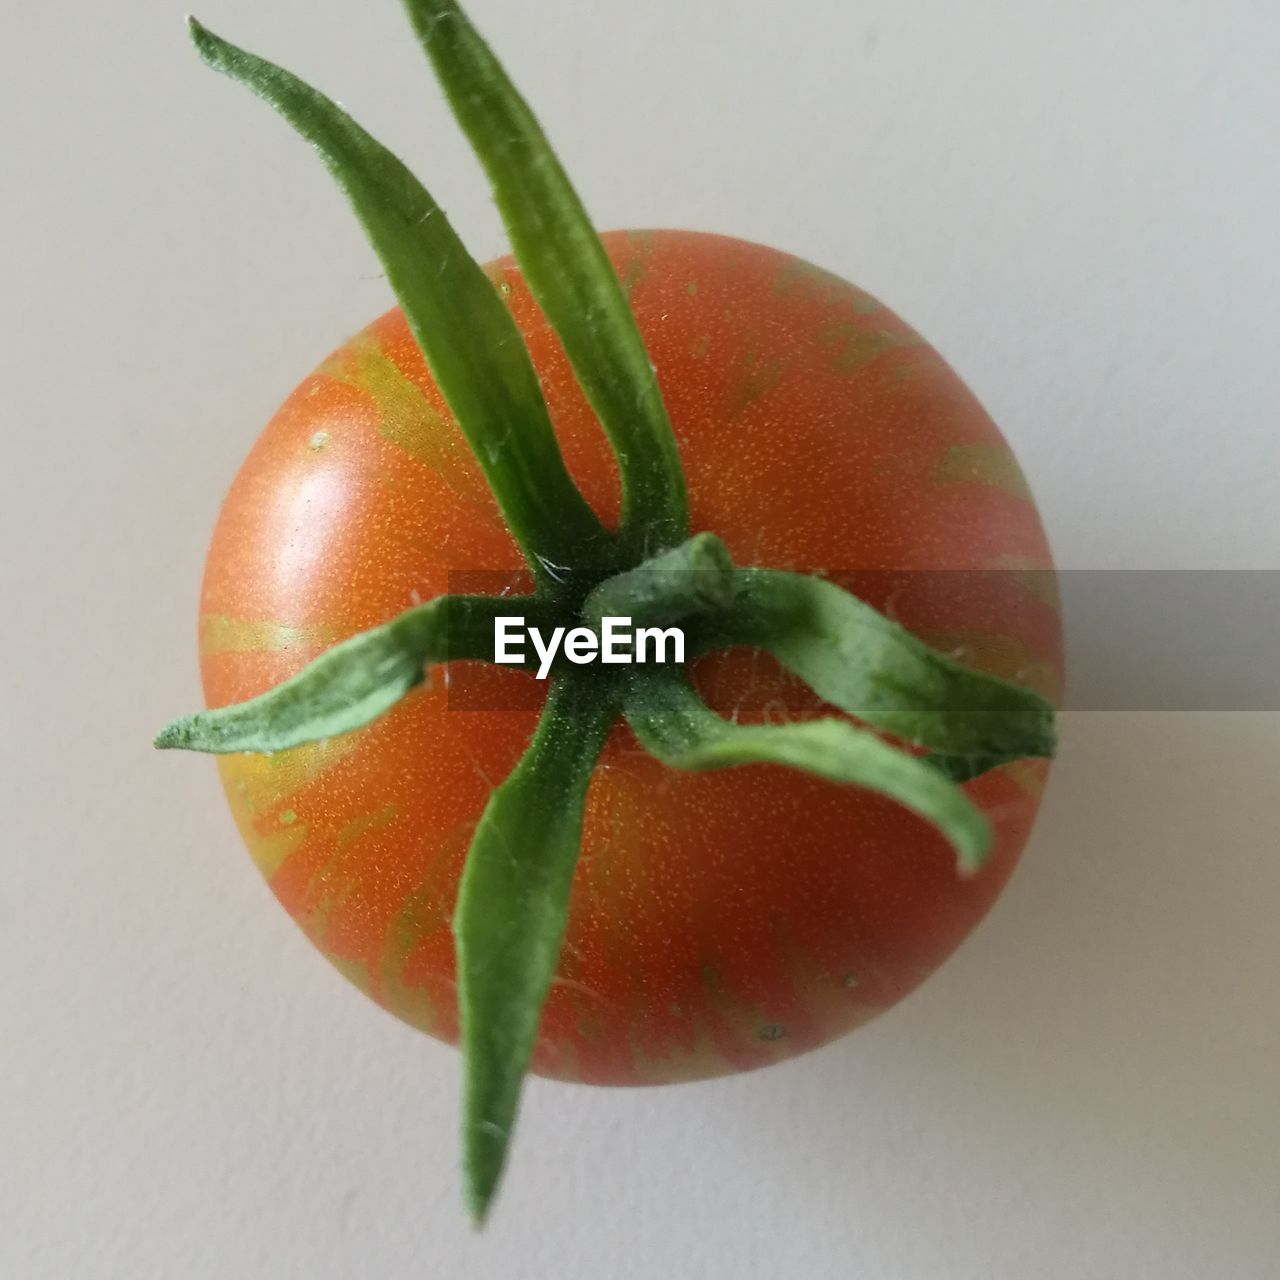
721 920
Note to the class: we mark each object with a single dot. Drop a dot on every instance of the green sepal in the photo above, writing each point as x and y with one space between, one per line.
694 578
469 339
871 667
676 726
513 903
569 272
960 768
351 684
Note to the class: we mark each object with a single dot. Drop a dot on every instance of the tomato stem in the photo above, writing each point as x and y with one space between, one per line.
691 579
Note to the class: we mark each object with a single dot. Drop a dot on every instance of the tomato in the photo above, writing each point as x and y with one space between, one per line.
718 920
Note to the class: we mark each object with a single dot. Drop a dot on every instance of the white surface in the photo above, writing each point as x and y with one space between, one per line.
1078 203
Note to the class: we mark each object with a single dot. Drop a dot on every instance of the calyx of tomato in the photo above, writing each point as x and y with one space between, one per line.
952 722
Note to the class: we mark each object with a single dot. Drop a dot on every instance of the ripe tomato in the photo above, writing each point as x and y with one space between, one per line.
719 920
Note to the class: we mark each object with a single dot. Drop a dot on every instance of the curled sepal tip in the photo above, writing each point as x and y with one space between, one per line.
673 723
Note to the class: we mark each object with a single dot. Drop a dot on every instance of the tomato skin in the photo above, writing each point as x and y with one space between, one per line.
719 921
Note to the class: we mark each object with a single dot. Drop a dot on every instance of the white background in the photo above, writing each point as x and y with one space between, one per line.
1079 203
